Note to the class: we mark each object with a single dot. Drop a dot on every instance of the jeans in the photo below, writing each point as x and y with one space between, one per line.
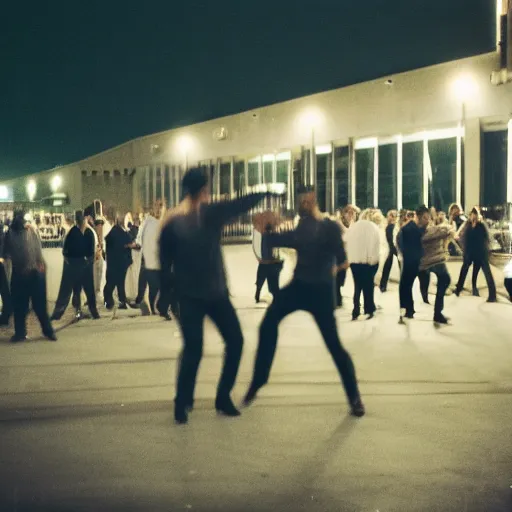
443 282
116 277
387 269
29 287
364 276
268 272
191 320
477 265
410 271
317 299
341 277
143 282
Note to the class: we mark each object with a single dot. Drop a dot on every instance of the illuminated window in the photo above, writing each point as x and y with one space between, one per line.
167 186
158 177
387 177
225 179
268 171
494 168
254 173
239 176
323 181
443 180
365 160
412 175
341 177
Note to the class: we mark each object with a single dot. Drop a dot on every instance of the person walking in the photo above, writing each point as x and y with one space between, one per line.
190 245
392 217
435 253
5 292
119 245
363 244
28 282
320 255
79 251
475 239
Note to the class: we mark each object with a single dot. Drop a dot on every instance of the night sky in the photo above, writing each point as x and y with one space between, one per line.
80 77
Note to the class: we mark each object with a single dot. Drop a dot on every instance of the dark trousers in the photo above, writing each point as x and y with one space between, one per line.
508 286
143 282
167 298
5 293
191 319
443 282
116 277
316 299
364 276
26 288
268 272
477 265
410 271
341 277
153 279
387 269
76 274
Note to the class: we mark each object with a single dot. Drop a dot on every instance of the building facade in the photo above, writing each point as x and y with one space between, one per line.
432 136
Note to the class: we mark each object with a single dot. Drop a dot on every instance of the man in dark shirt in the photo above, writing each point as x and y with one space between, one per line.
411 247
79 251
5 293
28 282
119 245
392 218
320 255
269 267
190 244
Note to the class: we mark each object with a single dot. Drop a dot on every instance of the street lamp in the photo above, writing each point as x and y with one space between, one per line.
31 190
56 183
463 89
309 120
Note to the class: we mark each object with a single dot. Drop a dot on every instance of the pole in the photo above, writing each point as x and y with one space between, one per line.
312 174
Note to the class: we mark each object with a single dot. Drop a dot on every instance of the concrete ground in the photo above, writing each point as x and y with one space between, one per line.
86 423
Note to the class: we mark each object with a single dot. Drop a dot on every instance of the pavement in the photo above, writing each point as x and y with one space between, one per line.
86 423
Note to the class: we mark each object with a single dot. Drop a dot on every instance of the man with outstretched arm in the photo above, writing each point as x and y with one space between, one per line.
320 255
190 244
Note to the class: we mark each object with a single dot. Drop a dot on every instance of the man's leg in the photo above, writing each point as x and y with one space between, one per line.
6 297
386 271
121 285
358 288
66 289
443 282
326 322
261 276
20 301
341 276
462 276
491 285
191 323
39 303
76 300
153 278
143 282
224 317
409 274
88 285
287 301
424 278
369 272
108 290
273 278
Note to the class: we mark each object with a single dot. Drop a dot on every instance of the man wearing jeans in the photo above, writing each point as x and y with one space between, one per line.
320 255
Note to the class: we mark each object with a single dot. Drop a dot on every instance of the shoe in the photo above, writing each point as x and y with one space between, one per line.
426 301
250 396
50 336
370 316
122 305
355 316
95 315
492 300
17 339
409 315
357 408
166 316
476 293
78 315
440 319
135 305
457 292
226 407
109 306
383 289
180 416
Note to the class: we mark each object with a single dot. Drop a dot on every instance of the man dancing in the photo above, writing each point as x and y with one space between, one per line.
190 244
320 255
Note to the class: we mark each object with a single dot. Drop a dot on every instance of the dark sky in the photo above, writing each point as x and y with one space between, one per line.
80 77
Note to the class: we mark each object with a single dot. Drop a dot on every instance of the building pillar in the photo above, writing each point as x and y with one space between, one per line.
472 162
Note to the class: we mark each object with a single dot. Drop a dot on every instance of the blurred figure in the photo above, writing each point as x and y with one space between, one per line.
78 272
363 244
190 244
392 218
5 293
119 246
28 282
433 260
475 238
456 219
320 255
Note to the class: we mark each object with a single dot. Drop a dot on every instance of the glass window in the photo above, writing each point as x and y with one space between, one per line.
412 175
150 180
494 168
387 177
268 172
282 167
158 183
323 182
167 187
341 177
306 166
365 159
225 179
142 186
254 173
239 176
443 181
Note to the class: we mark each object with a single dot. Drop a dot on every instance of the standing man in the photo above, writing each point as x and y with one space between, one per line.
390 228
5 293
320 255
28 282
78 272
119 246
190 244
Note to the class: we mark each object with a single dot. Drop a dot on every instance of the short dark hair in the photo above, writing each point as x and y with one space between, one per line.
421 210
194 182
305 189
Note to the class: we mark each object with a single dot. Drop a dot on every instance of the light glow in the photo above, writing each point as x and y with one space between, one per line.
184 143
268 158
464 88
31 190
56 183
287 155
324 149
370 142
311 118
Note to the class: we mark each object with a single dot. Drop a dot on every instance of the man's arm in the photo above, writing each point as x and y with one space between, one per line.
287 239
223 211
438 233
